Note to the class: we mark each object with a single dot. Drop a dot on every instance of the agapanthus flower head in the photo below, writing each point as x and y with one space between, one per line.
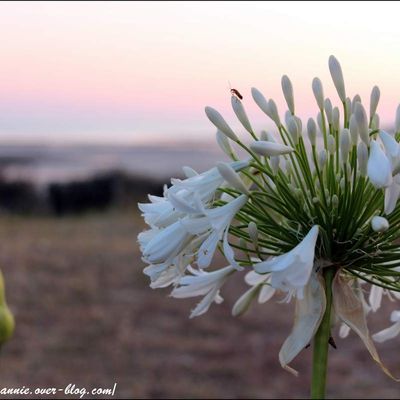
305 218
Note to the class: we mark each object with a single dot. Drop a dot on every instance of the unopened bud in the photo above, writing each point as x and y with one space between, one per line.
373 105
318 92
241 113
379 224
293 130
253 232
345 144
362 158
312 131
216 118
232 177
362 122
322 158
353 127
328 110
335 119
225 146
337 77
287 89
331 144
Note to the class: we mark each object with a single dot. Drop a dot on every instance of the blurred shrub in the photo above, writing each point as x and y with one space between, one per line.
100 192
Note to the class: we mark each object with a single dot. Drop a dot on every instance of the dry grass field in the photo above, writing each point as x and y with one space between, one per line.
85 315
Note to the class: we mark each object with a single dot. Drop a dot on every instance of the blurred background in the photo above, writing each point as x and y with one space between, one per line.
102 103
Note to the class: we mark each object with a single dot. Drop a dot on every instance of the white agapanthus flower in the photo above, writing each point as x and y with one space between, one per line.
311 218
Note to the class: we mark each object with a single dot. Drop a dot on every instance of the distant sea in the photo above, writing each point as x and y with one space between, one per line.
42 164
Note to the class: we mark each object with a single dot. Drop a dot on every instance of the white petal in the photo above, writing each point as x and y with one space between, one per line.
344 330
207 250
266 293
308 316
387 334
375 297
392 194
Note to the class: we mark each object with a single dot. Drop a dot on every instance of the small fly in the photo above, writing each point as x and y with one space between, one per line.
235 92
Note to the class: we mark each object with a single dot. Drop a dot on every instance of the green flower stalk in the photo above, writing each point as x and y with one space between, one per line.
307 217
7 323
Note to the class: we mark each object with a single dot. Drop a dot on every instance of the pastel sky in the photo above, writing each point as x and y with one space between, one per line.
143 71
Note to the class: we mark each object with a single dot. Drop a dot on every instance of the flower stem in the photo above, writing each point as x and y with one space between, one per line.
321 342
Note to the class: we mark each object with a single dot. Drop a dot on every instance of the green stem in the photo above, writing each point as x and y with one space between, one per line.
321 342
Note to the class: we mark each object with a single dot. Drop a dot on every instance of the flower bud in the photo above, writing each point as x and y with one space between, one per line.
216 118
241 113
232 177
342 183
312 131
335 119
348 105
253 232
353 127
275 160
293 130
264 148
322 158
397 122
356 99
320 121
362 158
335 200
273 110
379 224
264 135
225 146
328 110
345 144
331 144
362 122
318 92
379 168
375 122
337 77
373 105
287 89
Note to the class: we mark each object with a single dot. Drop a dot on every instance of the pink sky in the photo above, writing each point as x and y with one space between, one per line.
138 72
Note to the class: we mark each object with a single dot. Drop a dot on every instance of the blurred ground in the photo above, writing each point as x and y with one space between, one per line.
85 315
